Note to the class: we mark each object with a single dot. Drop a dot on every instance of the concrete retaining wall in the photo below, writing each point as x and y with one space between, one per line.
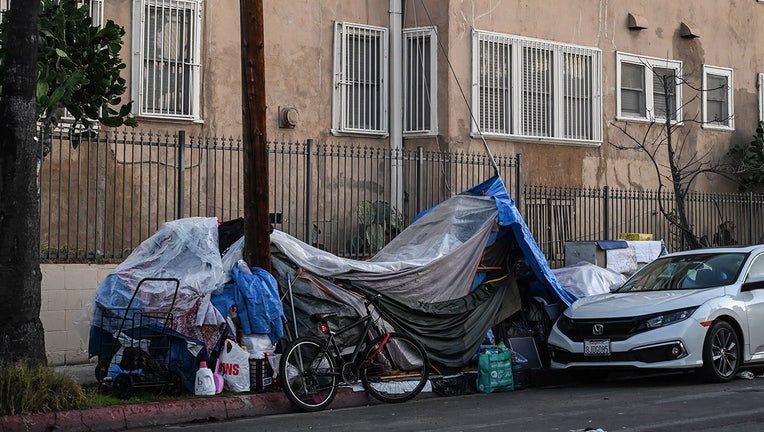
66 290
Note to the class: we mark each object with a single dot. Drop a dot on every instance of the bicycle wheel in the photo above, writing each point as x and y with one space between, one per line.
394 369
307 374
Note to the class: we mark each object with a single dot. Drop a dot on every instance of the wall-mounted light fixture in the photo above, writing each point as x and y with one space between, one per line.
688 31
637 22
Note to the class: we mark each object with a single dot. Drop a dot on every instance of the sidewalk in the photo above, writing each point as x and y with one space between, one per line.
122 417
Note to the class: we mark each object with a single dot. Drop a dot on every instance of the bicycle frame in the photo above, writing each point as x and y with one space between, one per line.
311 382
367 320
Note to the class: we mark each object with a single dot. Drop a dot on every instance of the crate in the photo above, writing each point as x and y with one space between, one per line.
260 374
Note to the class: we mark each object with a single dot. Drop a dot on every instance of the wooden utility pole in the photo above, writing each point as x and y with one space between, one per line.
257 245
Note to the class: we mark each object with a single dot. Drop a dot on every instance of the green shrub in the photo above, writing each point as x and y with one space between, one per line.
31 390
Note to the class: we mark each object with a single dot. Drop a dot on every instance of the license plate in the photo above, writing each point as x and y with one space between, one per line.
596 347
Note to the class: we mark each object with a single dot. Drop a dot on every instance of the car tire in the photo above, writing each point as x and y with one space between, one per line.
721 353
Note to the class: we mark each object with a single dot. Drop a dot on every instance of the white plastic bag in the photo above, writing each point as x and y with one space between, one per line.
234 362
258 344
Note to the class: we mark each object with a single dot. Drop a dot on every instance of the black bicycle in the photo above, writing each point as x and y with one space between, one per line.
393 367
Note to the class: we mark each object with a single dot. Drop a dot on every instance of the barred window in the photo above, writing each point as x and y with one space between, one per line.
360 79
95 8
166 60
648 88
718 106
420 73
96 11
527 88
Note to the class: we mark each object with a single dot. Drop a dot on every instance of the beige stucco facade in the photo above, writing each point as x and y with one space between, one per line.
299 71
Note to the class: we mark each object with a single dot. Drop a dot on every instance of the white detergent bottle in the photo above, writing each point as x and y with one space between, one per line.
205 383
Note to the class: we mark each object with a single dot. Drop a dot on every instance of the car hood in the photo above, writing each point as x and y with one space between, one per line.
614 305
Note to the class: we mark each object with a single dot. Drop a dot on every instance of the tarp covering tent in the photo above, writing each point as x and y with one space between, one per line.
444 279
135 301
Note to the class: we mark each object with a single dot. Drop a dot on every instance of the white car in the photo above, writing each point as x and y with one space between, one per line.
700 309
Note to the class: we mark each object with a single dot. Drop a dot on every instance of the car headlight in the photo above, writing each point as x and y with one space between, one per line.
666 318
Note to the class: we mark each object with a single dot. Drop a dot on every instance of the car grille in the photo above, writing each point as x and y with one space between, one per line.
651 354
615 329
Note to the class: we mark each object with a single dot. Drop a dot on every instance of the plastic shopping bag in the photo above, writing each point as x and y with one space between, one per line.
495 370
234 361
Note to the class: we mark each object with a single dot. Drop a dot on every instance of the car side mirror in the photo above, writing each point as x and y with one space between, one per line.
754 285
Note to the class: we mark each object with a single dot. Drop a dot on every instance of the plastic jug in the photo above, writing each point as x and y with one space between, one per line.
205 383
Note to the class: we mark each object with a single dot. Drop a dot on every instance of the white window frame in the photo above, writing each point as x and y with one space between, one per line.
648 63
348 116
522 74
96 14
96 5
420 96
709 123
166 101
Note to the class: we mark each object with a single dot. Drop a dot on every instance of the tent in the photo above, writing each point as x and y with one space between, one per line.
446 279
461 268
171 298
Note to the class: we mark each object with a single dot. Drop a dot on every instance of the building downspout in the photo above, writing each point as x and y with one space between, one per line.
396 104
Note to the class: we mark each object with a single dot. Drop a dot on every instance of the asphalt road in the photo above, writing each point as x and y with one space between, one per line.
673 402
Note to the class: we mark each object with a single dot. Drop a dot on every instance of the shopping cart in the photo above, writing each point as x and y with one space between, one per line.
135 344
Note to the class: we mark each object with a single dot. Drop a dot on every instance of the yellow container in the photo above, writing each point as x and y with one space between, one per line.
634 236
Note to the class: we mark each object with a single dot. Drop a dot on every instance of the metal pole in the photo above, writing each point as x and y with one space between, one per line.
606 212
308 191
419 187
181 180
520 184
291 303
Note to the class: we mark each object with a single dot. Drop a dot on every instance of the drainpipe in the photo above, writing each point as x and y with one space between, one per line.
396 104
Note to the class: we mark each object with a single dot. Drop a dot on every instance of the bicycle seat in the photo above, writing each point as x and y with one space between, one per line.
322 318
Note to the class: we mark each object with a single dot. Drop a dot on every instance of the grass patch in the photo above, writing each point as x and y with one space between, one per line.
103 398
34 390
31 390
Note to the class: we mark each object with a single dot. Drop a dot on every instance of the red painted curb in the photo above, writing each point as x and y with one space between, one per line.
121 417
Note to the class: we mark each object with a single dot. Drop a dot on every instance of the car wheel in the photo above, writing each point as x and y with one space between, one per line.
721 353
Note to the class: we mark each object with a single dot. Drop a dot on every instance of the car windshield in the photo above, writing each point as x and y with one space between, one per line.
702 270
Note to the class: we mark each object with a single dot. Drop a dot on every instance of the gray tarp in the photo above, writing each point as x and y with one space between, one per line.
425 275
434 262
444 279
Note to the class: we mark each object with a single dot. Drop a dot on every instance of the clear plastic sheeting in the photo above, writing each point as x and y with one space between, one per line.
443 280
586 279
185 249
418 263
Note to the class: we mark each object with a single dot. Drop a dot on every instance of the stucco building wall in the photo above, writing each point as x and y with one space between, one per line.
299 71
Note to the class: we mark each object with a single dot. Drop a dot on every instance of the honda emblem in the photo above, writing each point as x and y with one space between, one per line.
598 329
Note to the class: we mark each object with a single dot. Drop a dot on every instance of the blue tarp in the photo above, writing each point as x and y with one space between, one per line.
444 279
510 217
258 303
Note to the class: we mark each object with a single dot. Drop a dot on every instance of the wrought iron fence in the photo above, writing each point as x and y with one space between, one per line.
556 215
103 194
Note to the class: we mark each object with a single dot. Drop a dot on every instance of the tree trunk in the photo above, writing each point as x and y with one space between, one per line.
22 336
680 190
